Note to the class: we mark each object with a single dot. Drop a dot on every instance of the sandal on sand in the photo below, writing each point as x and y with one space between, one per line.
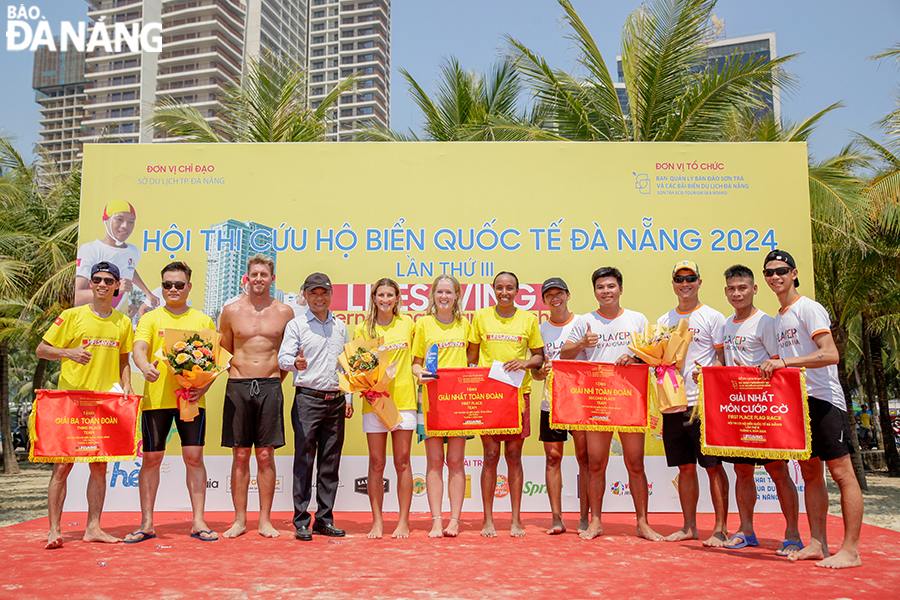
144 536
787 544
745 540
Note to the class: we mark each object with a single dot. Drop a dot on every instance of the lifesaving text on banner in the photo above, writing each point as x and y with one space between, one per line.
81 426
597 396
746 415
465 401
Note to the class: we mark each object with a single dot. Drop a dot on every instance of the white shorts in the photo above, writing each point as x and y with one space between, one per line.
372 424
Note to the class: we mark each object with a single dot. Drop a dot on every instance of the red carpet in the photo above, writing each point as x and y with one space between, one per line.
617 565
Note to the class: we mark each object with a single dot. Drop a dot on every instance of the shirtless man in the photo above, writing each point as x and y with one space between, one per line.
252 329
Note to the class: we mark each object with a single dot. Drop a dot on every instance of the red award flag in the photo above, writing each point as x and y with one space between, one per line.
465 401
746 415
597 396
80 426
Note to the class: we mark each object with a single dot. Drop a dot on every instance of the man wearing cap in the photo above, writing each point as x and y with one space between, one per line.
803 333
555 332
93 342
252 331
118 220
603 336
160 405
311 346
681 434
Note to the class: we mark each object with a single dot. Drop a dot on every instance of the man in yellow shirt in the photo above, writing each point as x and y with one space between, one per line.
93 342
160 404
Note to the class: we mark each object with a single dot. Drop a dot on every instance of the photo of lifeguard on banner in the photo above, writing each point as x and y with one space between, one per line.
118 221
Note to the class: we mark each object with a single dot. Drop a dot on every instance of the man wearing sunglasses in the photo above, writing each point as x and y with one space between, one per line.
160 406
681 434
93 342
803 333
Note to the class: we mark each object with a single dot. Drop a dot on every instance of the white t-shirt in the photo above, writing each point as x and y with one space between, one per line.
125 258
750 342
795 328
708 326
554 337
615 334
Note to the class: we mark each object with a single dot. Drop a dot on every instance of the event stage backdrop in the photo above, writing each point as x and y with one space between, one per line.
411 211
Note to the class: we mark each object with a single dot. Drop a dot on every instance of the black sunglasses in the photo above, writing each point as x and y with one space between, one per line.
683 278
778 271
178 285
106 280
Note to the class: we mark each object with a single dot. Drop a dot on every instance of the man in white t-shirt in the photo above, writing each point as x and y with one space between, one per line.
681 433
603 336
118 220
749 342
803 333
555 332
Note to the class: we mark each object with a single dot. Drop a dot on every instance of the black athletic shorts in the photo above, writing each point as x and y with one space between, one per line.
254 413
551 435
830 430
681 440
157 423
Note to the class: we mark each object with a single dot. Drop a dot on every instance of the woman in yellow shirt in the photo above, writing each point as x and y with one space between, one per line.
445 327
384 320
507 334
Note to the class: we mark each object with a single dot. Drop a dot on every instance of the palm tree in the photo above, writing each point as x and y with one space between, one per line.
270 105
468 106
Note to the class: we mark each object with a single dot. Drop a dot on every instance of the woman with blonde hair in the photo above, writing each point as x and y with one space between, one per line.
384 320
445 328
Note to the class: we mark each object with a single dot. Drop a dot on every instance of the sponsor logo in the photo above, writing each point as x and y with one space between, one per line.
641 182
501 490
125 477
85 448
531 488
361 485
620 488
253 487
58 321
212 484
418 485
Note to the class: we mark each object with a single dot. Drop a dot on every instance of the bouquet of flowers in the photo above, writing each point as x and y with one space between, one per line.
366 371
664 349
195 358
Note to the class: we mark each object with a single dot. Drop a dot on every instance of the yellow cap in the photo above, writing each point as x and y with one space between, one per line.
686 264
115 207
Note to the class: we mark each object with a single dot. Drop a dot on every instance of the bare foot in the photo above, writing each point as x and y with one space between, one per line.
583 523
844 559
267 530
648 533
54 542
487 530
236 530
99 535
595 529
402 531
557 526
516 530
452 528
375 533
716 540
813 551
685 533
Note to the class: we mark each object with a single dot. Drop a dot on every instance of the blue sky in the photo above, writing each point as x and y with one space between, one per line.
835 38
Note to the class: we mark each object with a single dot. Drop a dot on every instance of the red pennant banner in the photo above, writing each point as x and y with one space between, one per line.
597 396
465 401
80 426
748 416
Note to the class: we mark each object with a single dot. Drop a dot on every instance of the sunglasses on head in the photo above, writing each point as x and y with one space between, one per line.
683 278
778 271
178 285
106 280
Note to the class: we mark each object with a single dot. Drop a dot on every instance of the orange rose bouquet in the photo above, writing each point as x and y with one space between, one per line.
664 349
367 372
195 358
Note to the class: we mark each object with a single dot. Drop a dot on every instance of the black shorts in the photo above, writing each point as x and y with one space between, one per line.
551 435
742 460
830 430
157 423
681 440
254 413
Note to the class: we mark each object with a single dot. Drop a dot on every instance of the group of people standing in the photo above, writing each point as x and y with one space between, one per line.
268 342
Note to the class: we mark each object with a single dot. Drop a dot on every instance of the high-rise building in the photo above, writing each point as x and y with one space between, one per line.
230 247
58 81
278 26
351 38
